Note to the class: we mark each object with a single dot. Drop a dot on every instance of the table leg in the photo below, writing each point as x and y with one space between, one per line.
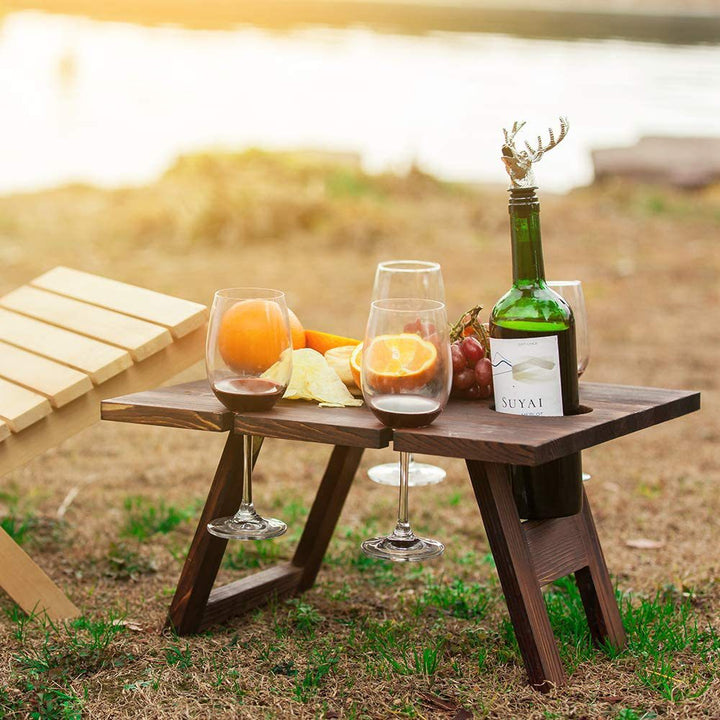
491 483
531 554
325 512
206 551
596 589
195 605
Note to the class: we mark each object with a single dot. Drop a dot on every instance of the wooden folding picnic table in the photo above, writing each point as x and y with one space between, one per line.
528 555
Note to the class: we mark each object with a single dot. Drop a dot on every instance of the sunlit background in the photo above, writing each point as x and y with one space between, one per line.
113 103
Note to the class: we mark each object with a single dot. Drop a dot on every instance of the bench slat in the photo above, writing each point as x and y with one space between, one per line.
20 407
99 360
179 316
139 337
59 383
64 422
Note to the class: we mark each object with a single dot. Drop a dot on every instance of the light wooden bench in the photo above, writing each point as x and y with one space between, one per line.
69 339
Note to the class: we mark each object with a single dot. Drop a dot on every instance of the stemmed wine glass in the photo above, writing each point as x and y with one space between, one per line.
248 356
408 279
572 292
406 378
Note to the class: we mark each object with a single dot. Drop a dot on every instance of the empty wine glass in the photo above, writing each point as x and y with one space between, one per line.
406 378
572 292
408 279
248 356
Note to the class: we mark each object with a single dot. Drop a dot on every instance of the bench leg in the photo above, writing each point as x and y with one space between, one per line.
520 584
196 605
28 585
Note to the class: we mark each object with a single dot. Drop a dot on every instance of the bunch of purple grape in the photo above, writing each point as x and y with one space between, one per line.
472 370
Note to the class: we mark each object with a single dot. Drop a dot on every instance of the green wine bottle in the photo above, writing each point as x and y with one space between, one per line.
532 341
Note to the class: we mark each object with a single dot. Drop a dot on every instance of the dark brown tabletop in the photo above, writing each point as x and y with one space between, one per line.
470 430
474 431
193 405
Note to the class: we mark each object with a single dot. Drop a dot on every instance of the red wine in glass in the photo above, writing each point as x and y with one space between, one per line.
405 411
248 394
248 356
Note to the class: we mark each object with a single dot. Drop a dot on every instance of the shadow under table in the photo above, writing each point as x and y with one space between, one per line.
528 554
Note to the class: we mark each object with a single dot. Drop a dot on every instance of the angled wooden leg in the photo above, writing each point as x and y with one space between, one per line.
206 551
196 605
596 589
325 512
28 585
289 578
491 483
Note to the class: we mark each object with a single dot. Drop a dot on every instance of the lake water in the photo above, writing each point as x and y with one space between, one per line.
114 104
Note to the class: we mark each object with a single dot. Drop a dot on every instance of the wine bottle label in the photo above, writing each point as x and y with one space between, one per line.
526 375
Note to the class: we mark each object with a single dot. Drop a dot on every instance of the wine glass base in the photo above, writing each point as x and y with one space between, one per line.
586 476
255 529
420 474
413 550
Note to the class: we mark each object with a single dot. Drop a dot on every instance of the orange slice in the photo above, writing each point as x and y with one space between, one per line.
395 363
322 341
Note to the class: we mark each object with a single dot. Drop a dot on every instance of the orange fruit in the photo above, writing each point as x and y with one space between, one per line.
395 363
356 364
322 341
297 330
252 336
339 360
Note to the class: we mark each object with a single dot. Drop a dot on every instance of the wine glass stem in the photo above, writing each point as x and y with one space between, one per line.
403 529
246 505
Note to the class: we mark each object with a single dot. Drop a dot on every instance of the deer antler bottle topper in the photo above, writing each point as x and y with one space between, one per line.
519 163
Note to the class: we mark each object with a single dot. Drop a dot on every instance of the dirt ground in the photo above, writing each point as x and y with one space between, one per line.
651 271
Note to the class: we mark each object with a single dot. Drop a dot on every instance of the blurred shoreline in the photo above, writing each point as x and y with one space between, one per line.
675 22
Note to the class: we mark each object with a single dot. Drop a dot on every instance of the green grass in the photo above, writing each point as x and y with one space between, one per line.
125 562
456 598
321 662
397 646
346 182
304 617
179 656
18 528
673 653
255 554
451 629
678 657
17 523
49 657
144 519
630 714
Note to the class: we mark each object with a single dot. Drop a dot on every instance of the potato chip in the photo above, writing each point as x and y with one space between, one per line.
313 379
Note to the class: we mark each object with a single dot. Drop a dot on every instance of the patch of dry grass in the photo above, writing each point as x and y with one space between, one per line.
369 640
